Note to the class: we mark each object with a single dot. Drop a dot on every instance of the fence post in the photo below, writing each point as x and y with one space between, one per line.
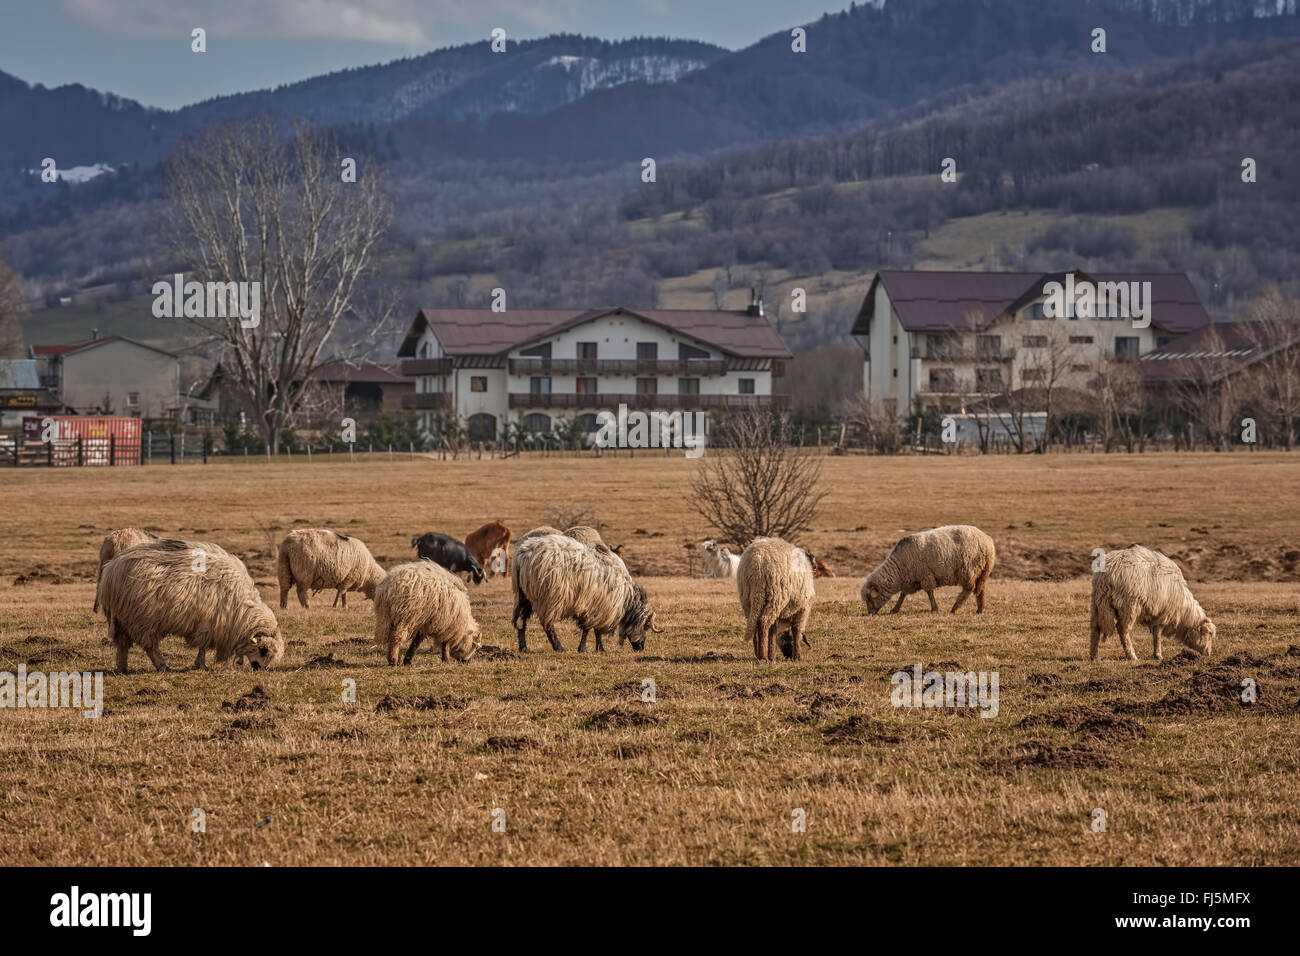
112 450
81 455
172 436
18 443
204 443
49 454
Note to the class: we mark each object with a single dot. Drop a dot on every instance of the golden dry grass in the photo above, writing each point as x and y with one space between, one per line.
710 772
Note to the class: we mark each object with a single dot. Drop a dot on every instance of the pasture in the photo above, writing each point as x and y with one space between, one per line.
586 772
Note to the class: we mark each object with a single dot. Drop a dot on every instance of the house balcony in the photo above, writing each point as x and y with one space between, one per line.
611 400
427 401
682 367
425 366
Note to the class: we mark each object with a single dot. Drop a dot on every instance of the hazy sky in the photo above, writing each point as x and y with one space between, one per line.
141 48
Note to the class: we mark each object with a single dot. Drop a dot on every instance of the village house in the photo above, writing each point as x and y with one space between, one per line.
112 375
944 341
358 389
539 367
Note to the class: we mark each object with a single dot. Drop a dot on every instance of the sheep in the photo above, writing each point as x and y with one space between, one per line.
957 554
164 587
424 600
719 562
540 531
318 559
114 544
775 583
444 550
1138 586
586 534
558 578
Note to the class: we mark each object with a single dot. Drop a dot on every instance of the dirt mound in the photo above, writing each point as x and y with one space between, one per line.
255 699
490 652
1039 564
617 717
325 661
1112 729
753 692
1044 753
1043 680
819 703
512 743
860 729
392 702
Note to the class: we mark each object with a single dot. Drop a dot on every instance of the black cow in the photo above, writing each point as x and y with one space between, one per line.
451 554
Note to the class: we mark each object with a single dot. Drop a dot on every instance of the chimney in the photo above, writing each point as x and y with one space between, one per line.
755 303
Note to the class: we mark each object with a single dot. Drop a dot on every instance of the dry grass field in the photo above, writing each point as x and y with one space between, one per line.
710 772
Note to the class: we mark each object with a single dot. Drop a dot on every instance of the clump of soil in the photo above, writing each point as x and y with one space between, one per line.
511 743
819 703
753 692
490 652
860 729
837 679
621 716
1064 717
1044 753
251 722
393 702
1043 680
255 699
629 751
325 661
1112 729
42 574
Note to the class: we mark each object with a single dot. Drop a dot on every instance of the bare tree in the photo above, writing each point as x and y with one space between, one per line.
1207 393
11 311
253 207
1119 402
1273 383
879 424
757 484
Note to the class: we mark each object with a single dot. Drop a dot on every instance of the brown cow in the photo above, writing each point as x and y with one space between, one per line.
485 540
822 570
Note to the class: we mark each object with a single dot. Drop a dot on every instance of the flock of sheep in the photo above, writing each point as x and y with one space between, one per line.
151 587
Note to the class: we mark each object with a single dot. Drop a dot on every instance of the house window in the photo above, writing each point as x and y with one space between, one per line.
426 350
478 383
1080 339
539 385
688 386
938 346
647 386
647 351
537 351
685 351
988 346
988 379
586 350
746 386
942 380
1035 341
1032 375
586 386
537 423
133 399
1126 348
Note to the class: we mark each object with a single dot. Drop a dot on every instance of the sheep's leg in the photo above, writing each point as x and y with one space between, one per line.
1096 636
284 598
446 651
120 638
979 600
416 640
200 662
302 595
396 637
797 633
521 617
156 656
934 608
1123 626
551 636
771 639
337 595
899 603
344 596
961 599
582 644
1155 643
600 643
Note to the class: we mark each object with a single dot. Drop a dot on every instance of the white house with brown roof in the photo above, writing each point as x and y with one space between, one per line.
543 366
943 340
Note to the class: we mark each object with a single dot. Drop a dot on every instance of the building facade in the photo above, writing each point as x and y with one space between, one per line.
112 375
942 341
539 368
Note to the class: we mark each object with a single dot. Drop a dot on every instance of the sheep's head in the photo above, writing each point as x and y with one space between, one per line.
263 648
874 596
709 548
476 573
1202 638
638 620
468 645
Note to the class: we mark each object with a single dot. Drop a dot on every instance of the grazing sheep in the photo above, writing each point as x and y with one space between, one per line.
719 562
485 542
539 532
956 554
446 551
163 587
115 542
586 534
775 581
319 559
424 600
1143 587
558 578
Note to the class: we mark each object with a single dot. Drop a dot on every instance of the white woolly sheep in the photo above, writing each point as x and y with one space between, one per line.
541 531
558 578
956 554
317 559
114 544
1142 587
423 600
585 534
194 590
719 562
775 582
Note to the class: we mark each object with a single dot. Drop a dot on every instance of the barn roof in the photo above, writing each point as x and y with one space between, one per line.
484 332
1215 350
49 351
948 301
